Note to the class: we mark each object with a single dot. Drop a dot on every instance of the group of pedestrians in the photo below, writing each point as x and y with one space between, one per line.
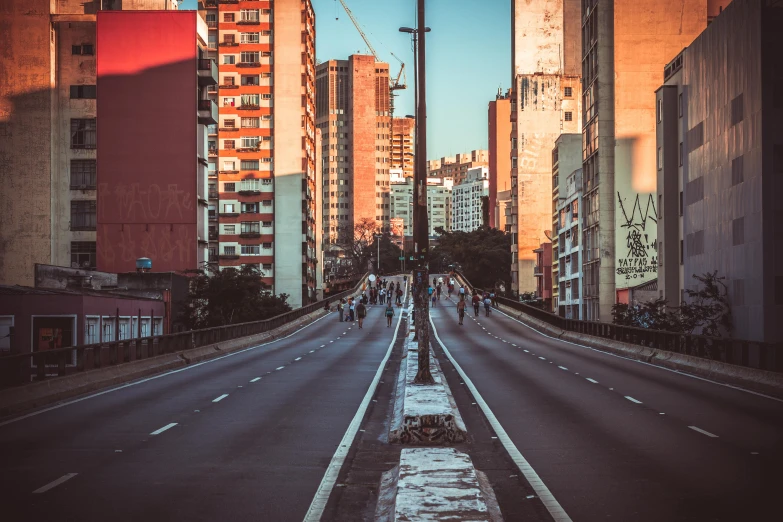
383 292
488 299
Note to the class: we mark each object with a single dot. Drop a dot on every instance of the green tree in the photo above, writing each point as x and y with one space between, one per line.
229 296
390 253
483 254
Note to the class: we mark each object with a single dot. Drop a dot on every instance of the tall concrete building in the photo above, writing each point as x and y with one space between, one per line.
546 102
353 115
439 191
469 201
626 45
720 148
262 153
457 166
499 127
402 145
48 132
566 160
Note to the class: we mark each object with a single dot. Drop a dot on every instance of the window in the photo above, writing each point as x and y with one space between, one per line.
229 59
249 57
249 164
266 203
228 165
267 266
737 173
569 116
229 145
266 224
108 329
679 105
737 110
248 38
229 230
83 174
229 250
83 215
250 123
83 133
250 142
228 17
86 92
738 231
229 102
228 208
680 154
250 184
660 158
267 246
251 250
229 187
251 227
250 208
249 100
83 49
248 15
83 255
250 80
567 92
660 112
91 330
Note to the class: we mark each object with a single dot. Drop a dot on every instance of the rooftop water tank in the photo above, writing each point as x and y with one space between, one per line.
143 264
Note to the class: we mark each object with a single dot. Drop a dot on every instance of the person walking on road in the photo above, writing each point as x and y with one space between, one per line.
389 314
494 298
361 312
351 307
399 296
462 292
487 304
439 291
461 310
476 303
341 308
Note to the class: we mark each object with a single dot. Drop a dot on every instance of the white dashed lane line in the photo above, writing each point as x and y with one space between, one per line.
164 428
218 399
313 351
55 483
632 399
591 380
542 358
279 368
298 359
563 368
703 432
256 379
322 346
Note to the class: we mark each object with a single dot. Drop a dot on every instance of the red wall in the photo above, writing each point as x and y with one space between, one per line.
147 129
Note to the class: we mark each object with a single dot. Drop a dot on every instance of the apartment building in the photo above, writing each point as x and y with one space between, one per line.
439 203
566 158
48 133
152 195
623 41
470 201
567 282
353 114
720 159
262 154
499 127
403 145
457 167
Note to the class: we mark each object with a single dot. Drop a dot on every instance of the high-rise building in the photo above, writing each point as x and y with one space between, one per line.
625 45
499 127
566 199
48 133
353 115
439 195
470 201
152 194
263 160
545 102
720 161
457 167
402 145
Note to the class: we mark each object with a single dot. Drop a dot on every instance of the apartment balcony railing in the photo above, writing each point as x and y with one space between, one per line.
207 112
229 86
229 214
213 194
212 24
210 3
229 256
207 72
213 236
212 217
212 152
250 235
229 129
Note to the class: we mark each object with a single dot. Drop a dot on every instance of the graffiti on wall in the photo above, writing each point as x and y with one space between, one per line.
170 247
134 203
637 257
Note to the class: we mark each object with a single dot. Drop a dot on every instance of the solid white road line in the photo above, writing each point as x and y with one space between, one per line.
546 496
641 362
592 380
164 428
256 379
218 399
321 497
703 432
142 381
563 368
279 368
632 399
55 483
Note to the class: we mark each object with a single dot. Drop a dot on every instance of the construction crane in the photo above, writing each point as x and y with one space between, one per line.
395 84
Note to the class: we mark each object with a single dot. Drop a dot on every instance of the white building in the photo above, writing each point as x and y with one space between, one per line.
468 200
569 229
438 203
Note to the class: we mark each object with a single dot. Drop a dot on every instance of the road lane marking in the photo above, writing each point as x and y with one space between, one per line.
318 505
591 380
164 428
543 359
526 351
166 374
512 344
563 368
298 359
218 399
331 341
256 379
55 483
546 496
632 399
279 368
311 351
322 346
703 432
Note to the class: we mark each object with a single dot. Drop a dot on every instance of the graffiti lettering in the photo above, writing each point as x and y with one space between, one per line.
136 204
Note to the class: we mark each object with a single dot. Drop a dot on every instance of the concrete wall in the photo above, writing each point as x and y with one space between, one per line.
499 125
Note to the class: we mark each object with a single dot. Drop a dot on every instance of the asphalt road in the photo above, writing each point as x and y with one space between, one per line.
254 434
615 439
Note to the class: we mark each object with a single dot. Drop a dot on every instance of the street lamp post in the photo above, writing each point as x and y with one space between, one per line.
378 240
420 219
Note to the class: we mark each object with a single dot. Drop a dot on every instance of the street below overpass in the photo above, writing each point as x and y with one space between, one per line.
616 439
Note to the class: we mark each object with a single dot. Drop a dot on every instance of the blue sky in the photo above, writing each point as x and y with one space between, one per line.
468 58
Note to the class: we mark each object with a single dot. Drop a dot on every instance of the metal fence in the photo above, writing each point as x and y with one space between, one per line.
17 369
751 354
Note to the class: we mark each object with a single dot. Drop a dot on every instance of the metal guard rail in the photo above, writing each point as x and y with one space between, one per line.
751 354
15 368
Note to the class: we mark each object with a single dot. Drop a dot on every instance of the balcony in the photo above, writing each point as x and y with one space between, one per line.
250 235
213 194
249 192
229 214
229 129
213 236
212 24
207 72
213 152
538 271
210 4
228 44
213 217
249 64
229 256
248 22
207 113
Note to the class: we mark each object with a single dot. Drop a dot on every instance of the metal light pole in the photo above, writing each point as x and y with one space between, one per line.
378 240
420 223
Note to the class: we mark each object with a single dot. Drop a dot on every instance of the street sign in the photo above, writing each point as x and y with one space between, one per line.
402 258
411 258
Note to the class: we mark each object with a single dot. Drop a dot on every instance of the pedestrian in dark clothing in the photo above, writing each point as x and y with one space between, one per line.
361 312
389 314
341 308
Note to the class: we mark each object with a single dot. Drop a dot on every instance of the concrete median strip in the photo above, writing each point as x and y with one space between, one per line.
435 484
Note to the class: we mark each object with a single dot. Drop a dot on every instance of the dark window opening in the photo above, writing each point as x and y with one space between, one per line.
83 175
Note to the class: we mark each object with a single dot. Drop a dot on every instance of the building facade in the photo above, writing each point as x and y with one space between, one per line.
499 127
403 145
439 203
625 44
262 152
719 101
470 201
457 167
48 133
542 271
566 158
152 196
568 280
546 102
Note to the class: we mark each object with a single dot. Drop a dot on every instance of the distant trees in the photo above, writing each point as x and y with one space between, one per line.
707 310
360 244
483 254
229 296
